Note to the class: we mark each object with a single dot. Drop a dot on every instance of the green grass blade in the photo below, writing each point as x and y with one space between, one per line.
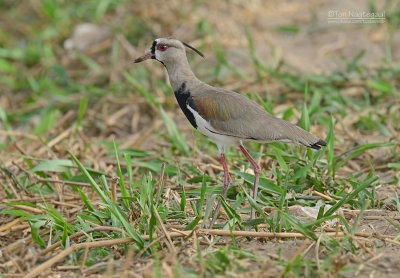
209 207
82 110
330 139
230 211
264 184
178 139
86 200
280 159
57 165
145 93
128 162
359 216
193 224
35 226
350 196
92 182
64 236
116 210
89 62
359 150
305 118
121 182
397 200
183 200
203 191
258 208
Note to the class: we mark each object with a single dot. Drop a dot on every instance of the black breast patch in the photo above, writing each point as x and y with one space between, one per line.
184 98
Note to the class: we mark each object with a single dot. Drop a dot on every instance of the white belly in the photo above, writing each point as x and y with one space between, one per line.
222 141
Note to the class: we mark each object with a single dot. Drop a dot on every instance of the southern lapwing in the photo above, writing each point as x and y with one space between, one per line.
224 116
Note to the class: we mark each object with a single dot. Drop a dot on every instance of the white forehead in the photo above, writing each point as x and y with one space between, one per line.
163 40
160 40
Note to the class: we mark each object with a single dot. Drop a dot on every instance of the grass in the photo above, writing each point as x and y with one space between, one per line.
93 142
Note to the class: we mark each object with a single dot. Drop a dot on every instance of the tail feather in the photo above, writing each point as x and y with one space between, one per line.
303 137
318 144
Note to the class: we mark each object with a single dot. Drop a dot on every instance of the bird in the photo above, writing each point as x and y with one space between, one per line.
226 117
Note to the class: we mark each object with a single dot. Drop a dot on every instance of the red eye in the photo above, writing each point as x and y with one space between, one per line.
162 47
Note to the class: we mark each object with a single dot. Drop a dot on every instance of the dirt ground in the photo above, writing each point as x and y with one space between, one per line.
322 47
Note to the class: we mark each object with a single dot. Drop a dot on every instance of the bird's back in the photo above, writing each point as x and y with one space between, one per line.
233 114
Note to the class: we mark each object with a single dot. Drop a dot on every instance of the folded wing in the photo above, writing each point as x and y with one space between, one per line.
234 115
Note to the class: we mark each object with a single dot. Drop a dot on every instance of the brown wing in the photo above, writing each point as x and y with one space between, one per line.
232 114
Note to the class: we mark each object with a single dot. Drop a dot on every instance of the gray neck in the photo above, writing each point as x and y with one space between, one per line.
179 71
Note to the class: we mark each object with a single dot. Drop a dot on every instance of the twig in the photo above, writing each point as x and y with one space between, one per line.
17 134
20 243
40 199
84 256
326 197
392 241
308 249
65 204
249 234
161 180
79 234
127 261
164 229
375 217
39 269
64 182
31 209
299 250
177 226
366 249
183 233
148 246
337 229
19 227
9 225
56 140
67 267
114 189
366 262
317 245
100 267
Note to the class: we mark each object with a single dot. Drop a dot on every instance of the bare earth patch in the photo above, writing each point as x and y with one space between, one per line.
42 90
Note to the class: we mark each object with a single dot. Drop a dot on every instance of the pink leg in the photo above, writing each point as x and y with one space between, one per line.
227 181
257 170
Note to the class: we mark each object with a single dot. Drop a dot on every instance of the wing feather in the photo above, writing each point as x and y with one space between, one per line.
235 115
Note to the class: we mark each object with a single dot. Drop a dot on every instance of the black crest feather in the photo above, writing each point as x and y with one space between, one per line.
194 49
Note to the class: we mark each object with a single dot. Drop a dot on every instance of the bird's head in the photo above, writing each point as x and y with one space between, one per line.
167 50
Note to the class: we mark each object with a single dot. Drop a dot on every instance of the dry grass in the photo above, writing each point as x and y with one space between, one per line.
57 103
